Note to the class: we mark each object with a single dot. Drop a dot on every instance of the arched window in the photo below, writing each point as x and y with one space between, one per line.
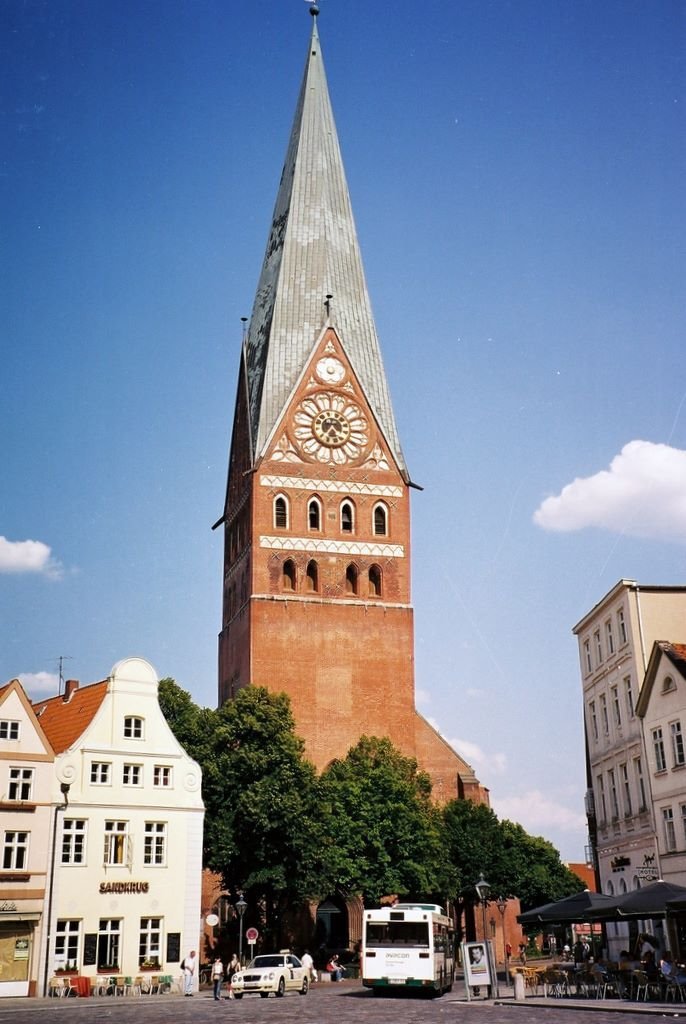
281 512
374 581
351 579
289 574
312 579
380 520
347 517
314 514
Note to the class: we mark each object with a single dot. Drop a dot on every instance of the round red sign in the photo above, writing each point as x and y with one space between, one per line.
251 935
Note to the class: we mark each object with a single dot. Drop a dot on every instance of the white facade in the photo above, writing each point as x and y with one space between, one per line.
662 708
26 783
615 640
129 859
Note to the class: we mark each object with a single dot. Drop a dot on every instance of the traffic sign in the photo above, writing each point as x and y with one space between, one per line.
252 935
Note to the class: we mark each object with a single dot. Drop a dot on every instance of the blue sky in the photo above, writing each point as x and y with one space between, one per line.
516 172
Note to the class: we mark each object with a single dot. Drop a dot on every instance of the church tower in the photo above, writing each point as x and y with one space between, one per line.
316 598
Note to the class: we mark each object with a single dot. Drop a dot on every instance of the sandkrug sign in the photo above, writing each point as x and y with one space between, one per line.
124 887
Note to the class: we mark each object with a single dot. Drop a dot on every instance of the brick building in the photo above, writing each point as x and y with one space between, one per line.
317 599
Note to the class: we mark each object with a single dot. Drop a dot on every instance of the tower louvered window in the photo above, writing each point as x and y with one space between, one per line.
314 517
347 517
281 513
380 521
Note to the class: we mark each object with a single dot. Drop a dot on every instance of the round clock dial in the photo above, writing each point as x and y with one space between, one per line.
329 428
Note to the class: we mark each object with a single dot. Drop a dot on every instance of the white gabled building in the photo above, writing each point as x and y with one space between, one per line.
128 864
26 786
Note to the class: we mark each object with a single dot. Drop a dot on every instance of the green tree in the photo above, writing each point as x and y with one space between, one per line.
380 832
537 873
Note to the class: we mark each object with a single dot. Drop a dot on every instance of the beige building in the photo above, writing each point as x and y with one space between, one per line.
615 641
662 709
26 786
128 861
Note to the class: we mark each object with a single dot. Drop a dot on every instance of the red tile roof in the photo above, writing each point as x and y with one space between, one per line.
62 722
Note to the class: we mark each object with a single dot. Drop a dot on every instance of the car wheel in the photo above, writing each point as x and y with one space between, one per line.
306 987
282 988
264 995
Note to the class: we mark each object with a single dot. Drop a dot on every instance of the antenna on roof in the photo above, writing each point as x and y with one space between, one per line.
62 658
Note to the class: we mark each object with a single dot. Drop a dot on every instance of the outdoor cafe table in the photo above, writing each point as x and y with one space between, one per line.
81 984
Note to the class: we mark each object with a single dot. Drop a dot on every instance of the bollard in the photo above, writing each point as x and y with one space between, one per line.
519 986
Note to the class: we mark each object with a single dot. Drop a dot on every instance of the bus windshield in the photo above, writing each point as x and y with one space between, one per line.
397 933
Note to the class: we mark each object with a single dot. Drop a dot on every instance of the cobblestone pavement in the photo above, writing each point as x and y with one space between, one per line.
347 1003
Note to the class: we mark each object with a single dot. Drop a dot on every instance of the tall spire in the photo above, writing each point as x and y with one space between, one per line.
312 253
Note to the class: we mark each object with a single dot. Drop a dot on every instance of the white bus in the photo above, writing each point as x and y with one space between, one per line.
409 946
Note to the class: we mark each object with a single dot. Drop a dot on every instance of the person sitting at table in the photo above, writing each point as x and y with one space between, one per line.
650 967
670 970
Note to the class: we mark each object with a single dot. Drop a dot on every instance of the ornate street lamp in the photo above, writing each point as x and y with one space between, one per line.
501 904
482 890
241 906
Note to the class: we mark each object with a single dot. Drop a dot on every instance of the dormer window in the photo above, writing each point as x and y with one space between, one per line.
281 512
314 514
133 727
347 517
380 520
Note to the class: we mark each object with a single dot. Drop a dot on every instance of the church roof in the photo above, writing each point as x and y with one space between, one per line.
312 252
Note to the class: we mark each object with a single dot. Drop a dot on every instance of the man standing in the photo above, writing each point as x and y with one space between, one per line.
188 968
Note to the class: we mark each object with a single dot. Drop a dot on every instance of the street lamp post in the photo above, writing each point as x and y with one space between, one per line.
240 908
501 904
482 890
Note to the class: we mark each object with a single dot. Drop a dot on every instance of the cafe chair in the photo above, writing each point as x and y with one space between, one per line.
55 988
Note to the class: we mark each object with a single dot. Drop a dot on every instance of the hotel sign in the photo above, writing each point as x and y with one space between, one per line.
123 887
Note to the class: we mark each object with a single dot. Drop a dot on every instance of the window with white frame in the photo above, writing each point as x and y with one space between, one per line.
603 805
132 775
109 936
162 776
9 730
155 844
659 750
74 841
116 848
314 514
100 773
587 655
670 832
677 744
594 719
20 784
640 784
629 697
598 647
67 942
614 802
626 786
609 638
281 512
347 517
15 850
150 941
604 715
133 727
621 626
683 821
616 709
380 520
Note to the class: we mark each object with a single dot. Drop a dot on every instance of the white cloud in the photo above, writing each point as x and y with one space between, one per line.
18 556
39 684
538 813
642 494
484 764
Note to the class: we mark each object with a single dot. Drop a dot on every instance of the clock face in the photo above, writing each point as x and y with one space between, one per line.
329 428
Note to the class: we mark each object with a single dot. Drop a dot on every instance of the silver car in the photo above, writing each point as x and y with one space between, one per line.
271 972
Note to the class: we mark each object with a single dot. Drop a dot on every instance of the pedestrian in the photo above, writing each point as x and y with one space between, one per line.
217 976
308 963
188 965
334 968
233 968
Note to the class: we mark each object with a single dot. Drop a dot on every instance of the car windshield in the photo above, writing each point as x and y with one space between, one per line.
267 961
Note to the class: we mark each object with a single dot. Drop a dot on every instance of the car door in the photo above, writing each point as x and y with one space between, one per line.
295 972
